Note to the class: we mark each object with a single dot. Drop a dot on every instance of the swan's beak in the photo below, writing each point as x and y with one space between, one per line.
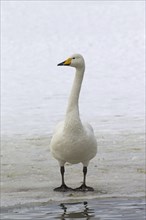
65 63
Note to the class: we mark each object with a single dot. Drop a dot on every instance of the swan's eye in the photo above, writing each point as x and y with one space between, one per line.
73 58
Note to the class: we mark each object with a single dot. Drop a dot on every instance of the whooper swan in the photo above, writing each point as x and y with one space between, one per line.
73 140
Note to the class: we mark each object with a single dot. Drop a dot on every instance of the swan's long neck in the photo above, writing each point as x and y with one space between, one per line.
72 113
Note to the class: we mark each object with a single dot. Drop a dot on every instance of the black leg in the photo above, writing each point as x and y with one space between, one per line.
63 187
62 171
83 187
85 173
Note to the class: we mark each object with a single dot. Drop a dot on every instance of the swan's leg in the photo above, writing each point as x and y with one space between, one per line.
83 187
63 187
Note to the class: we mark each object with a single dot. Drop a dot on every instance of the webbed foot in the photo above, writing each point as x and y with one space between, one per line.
84 188
63 188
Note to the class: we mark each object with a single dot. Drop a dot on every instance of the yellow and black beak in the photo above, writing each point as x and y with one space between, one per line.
65 63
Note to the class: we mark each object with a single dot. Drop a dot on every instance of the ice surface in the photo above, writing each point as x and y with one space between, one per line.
36 35
29 173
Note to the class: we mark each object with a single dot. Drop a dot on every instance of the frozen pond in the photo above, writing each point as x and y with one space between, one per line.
29 173
37 35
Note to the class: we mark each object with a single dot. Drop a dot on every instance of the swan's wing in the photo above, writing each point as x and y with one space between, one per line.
90 136
57 129
56 132
88 128
58 126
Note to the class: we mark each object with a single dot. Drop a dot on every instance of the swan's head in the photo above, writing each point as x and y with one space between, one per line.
75 60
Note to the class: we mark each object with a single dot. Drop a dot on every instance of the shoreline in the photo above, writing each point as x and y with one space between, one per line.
37 204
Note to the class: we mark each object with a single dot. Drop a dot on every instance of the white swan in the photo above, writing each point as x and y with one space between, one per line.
73 140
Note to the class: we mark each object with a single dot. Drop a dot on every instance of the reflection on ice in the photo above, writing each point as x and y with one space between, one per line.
76 211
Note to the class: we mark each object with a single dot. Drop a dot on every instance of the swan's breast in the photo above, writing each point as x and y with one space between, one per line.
74 145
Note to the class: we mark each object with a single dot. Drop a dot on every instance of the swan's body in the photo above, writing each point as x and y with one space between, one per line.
73 140
74 144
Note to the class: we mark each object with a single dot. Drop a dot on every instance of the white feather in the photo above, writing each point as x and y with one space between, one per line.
74 141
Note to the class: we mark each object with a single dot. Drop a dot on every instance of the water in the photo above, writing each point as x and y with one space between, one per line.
129 209
36 35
